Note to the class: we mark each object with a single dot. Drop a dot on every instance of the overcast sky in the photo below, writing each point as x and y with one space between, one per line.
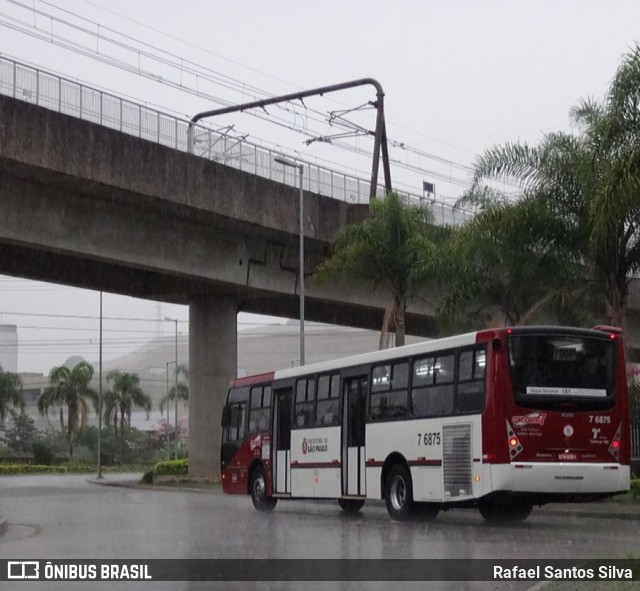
459 77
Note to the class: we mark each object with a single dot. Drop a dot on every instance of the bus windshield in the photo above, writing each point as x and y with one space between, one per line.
560 371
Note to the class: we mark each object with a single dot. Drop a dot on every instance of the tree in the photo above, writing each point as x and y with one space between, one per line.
506 266
385 250
70 388
591 182
11 395
23 434
120 400
182 388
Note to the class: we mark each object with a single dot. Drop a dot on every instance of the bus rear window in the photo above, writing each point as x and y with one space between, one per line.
556 371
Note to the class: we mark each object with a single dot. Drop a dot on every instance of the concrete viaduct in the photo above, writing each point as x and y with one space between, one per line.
87 206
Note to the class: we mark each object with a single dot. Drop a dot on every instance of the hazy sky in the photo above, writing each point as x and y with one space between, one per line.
459 76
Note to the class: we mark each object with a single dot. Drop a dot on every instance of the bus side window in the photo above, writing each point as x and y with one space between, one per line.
471 383
433 385
236 429
389 391
260 410
304 414
328 405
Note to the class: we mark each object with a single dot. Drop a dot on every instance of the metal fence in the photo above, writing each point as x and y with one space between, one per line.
72 98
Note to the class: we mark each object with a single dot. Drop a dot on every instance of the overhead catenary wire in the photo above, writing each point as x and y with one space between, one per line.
200 71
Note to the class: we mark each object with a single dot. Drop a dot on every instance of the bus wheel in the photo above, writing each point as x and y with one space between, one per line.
427 511
351 506
488 510
258 490
499 509
520 510
398 493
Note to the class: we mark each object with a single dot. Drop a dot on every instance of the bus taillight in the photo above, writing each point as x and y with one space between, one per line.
515 447
614 446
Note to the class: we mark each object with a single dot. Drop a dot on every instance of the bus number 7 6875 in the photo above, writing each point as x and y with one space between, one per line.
429 438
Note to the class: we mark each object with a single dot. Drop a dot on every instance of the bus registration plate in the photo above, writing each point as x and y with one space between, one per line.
568 457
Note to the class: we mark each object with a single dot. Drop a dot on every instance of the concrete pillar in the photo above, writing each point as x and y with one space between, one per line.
213 360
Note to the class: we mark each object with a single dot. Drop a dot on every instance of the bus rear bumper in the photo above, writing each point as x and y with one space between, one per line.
559 477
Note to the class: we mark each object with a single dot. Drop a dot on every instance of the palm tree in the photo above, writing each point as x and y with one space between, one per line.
591 182
120 400
506 266
385 250
10 393
70 388
182 388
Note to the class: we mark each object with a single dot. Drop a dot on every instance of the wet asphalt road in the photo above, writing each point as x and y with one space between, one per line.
70 517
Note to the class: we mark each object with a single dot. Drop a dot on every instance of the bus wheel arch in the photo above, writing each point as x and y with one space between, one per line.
394 458
258 488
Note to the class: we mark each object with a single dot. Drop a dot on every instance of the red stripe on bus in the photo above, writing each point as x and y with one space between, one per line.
425 462
332 464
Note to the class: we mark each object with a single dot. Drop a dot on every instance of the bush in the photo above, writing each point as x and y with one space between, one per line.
42 454
7 469
171 468
147 477
635 489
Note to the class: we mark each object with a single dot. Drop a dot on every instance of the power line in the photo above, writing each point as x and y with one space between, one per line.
81 317
213 76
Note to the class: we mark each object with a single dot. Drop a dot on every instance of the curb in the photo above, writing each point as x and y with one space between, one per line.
133 484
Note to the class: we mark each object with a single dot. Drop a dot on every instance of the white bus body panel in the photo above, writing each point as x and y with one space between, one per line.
356 487
560 477
315 462
283 473
444 456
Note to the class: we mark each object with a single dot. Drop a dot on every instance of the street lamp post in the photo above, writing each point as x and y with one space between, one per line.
168 363
292 164
176 389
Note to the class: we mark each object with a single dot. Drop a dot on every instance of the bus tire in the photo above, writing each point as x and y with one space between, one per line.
503 509
520 510
488 511
258 491
398 493
351 506
427 511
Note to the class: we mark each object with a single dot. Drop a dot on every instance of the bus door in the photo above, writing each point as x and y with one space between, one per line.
282 441
353 454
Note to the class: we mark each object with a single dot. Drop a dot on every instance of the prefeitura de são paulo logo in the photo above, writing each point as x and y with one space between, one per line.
314 445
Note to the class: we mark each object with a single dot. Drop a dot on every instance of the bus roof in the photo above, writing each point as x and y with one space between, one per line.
426 346
381 355
254 379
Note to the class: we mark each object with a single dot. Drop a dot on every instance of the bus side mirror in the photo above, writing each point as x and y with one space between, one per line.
226 417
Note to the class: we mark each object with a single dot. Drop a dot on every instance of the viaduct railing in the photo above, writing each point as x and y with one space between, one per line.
72 98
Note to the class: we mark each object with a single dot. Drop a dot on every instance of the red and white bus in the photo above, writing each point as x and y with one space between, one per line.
500 419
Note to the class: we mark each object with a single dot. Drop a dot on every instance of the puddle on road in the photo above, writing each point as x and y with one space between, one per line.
19 531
